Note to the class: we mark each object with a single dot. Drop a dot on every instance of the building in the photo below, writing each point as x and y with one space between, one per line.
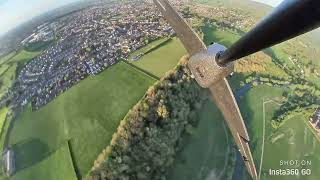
8 160
315 119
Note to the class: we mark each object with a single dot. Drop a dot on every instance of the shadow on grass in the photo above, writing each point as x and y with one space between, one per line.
159 46
30 152
209 36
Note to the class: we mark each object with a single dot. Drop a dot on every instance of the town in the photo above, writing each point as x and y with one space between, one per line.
86 42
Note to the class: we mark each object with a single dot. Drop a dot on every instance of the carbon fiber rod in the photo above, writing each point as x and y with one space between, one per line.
290 19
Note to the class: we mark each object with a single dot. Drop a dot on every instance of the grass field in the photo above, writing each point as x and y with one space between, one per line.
255 9
3 69
57 165
23 55
292 141
149 47
11 64
224 37
7 78
3 113
159 61
5 58
207 152
87 114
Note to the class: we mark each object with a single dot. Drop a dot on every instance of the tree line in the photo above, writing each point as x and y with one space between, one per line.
150 135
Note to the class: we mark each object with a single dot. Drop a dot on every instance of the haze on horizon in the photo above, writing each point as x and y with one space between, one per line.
16 12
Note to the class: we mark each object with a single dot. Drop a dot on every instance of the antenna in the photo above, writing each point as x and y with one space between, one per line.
290 19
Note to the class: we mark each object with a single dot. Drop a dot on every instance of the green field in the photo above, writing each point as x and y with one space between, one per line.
4 68
224 37
164 58
7 78
255 9
148 48
293 140
23 55
159 61
11 64
251 106
35 165
207 152
5 58
87 115
3 113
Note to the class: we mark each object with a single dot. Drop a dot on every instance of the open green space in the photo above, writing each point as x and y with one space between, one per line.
255 9
3 114
6 57
23 55
11 64
149 47
206 154
7 78
292 141
164 58
251 106
36 165
213 34
3 69
87 115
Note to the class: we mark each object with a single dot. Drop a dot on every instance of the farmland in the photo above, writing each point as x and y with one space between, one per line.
213 34
87 115
3 113
34 164
162 59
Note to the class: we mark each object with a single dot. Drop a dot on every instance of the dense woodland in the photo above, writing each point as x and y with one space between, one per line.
148 138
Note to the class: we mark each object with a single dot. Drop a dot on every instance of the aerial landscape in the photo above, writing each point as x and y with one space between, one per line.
101 90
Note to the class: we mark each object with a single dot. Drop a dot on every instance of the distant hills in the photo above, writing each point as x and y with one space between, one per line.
11 40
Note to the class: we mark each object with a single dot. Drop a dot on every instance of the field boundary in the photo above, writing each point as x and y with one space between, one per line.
142 70
72 158
164 42
146 50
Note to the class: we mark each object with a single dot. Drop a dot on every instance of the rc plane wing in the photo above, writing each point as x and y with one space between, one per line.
211 77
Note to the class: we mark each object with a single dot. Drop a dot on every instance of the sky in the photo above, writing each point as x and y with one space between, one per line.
15 12
273 3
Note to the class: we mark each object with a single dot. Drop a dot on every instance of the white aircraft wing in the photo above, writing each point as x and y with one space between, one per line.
221 91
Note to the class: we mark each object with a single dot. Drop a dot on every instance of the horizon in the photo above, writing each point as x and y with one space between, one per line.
272 3
17 12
